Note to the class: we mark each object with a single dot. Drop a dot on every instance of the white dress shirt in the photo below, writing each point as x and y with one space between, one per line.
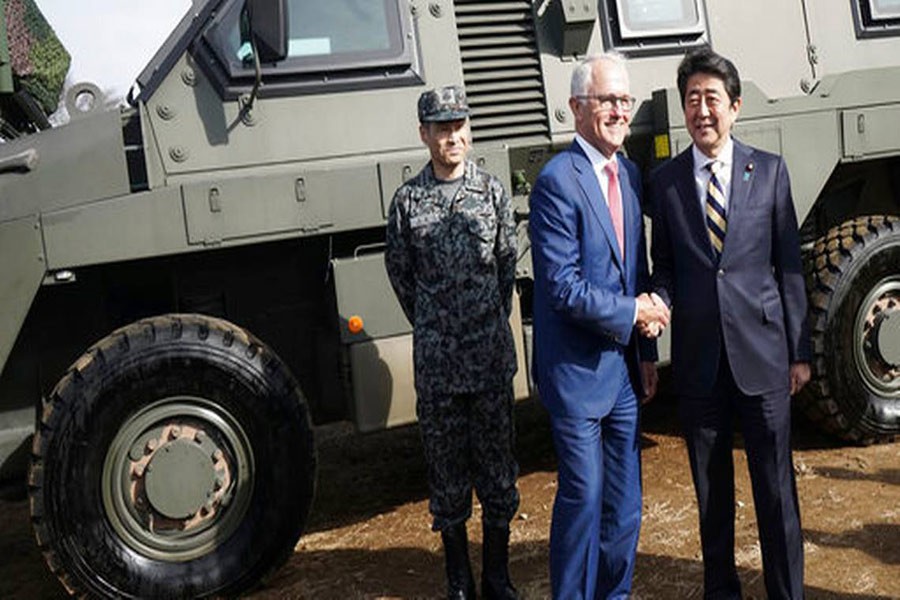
598 163
702 174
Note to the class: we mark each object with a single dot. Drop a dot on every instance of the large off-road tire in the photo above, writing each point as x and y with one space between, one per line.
174 460
854 284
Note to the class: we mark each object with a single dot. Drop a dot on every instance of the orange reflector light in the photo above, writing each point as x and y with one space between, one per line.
355 324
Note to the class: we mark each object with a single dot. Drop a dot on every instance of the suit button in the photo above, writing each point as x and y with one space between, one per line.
721 273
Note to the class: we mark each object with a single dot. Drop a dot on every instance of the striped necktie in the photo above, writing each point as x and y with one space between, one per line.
716 221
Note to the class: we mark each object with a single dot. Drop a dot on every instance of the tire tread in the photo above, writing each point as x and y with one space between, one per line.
833 255
67 400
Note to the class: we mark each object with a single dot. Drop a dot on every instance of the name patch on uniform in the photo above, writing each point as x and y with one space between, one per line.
424 220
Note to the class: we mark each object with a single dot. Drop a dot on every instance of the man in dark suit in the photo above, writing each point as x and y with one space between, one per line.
726 258
589 258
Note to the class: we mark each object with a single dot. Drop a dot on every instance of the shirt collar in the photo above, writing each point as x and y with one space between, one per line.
726 157
598 161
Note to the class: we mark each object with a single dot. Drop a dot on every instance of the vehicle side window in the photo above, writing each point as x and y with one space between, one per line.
637 27
339 27
876 18
331 45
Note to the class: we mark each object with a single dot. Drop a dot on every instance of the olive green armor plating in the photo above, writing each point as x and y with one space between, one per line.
193 279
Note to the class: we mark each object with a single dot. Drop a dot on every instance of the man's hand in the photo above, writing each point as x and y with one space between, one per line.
800 375
653 315
650 379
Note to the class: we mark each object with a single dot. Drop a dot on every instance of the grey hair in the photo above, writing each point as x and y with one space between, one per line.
583 73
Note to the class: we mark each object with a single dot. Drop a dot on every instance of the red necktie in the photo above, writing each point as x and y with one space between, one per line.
615 203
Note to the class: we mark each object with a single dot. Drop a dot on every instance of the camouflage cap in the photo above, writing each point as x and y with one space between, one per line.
443 104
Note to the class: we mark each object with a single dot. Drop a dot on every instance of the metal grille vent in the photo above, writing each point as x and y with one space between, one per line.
501 69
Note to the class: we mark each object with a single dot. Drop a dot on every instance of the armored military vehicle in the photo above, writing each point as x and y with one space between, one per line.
192 280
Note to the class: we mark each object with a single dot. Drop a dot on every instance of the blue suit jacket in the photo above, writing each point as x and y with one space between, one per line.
753 301
583 289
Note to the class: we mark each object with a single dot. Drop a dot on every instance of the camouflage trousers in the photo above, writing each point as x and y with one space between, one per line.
469 440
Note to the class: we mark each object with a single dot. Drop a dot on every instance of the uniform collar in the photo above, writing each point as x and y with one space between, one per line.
471 180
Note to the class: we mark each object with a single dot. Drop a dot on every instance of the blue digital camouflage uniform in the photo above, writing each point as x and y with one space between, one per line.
452 265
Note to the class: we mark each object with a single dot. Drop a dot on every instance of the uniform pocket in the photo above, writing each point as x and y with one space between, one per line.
772 311
423 227
423 221
484 226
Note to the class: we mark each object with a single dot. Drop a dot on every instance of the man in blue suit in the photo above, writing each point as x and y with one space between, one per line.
726 258
589 253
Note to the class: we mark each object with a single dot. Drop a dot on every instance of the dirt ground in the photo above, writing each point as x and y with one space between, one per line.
369 534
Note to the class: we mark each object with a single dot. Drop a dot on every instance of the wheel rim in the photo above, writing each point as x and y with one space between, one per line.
177 478
876 338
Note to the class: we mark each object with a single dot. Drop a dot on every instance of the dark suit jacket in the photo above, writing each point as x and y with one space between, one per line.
583 290
753 302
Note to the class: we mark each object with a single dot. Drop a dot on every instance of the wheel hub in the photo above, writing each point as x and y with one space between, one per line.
887 334
878 338
177 478
181 477
185 462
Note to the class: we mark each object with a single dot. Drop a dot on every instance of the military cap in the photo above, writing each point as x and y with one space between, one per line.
443 104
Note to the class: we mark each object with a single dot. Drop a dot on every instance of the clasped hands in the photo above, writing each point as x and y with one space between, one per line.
653 315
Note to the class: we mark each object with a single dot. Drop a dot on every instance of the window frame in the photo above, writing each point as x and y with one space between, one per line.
617 35
870 24
399 65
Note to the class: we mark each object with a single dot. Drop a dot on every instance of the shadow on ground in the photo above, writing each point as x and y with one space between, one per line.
389 467
416 573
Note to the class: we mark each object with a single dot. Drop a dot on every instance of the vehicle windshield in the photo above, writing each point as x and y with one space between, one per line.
338 28
657 17
885 9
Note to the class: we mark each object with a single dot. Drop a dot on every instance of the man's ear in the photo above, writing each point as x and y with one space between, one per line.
736 105
423 132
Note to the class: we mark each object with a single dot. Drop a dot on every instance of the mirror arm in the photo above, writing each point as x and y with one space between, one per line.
257 68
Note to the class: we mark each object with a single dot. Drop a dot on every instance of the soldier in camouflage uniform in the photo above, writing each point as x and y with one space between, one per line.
451 254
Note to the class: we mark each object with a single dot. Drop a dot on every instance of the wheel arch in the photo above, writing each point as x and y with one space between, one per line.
282 292
853 189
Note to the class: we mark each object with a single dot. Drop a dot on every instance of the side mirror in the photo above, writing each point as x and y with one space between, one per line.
265 25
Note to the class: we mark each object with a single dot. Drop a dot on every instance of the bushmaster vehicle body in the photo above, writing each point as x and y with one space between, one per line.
190 281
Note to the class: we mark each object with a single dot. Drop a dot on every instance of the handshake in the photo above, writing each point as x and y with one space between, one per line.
652 315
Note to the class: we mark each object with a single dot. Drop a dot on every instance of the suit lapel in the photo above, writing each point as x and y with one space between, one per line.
740 186
687 190
587 180
631 211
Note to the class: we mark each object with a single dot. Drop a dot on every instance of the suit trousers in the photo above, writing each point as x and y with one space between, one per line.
469 441
765 422
597 511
